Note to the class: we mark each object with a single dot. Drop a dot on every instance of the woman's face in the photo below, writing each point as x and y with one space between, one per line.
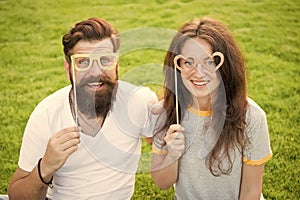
198 68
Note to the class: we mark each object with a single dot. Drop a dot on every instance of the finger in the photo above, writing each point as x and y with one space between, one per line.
178 136
177 148
174 136
67 130
68 136
177 142
71 150
174 128
70 143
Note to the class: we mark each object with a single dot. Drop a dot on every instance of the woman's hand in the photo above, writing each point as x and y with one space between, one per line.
175 142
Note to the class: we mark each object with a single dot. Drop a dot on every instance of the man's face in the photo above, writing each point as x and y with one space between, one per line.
94 83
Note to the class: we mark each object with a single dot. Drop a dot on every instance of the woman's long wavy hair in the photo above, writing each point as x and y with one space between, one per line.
233 74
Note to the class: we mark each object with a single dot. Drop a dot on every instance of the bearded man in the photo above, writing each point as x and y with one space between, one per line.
84 140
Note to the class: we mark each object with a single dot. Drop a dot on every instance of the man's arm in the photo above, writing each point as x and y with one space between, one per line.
28 185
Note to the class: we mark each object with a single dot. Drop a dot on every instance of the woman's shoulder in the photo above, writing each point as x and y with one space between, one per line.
254 109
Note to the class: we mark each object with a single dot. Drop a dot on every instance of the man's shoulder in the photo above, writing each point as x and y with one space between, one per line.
131 89
55 99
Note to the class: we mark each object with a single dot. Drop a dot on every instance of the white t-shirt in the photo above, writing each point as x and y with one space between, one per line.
104 166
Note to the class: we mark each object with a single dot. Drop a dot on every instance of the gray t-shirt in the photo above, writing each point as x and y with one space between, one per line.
195 181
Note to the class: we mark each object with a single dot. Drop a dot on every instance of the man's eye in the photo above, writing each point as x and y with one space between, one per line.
106 61
82 62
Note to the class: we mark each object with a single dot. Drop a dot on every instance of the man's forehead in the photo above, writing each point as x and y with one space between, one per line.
88 47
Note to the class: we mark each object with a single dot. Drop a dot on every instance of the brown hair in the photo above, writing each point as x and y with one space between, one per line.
233 74
90 30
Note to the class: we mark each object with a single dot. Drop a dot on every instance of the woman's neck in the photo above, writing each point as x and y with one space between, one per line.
202 103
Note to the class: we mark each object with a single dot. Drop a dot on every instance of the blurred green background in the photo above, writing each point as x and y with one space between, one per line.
31 68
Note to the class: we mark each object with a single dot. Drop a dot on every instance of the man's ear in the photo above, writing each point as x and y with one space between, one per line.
67 68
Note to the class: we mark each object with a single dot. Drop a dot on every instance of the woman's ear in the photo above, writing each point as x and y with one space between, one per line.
67 68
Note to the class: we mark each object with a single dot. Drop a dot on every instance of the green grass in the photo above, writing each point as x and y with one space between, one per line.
31 67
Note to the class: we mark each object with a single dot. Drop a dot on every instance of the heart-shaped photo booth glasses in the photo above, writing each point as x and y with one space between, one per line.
190 63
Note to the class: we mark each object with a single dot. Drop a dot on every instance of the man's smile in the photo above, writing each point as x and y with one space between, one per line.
95 86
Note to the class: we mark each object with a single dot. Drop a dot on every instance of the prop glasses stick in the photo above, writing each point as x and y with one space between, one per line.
74 92
176 95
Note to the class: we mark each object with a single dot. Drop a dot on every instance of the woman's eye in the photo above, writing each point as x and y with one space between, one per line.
189 62
210 63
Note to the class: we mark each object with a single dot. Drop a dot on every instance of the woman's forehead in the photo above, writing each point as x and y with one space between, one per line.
196 48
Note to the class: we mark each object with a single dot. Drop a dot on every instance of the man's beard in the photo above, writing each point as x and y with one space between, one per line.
98 103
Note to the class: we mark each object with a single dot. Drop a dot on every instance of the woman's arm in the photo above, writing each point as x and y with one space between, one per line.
251 183
165 166
164 171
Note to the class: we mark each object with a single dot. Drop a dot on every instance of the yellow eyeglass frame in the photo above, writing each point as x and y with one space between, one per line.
94 57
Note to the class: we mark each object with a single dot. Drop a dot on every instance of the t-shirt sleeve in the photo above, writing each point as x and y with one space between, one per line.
258 150
158 145
48 117
34 140
141 109
158 119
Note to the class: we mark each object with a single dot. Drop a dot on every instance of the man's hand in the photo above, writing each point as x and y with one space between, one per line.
60 146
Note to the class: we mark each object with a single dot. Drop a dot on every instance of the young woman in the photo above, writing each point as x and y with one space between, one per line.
211 140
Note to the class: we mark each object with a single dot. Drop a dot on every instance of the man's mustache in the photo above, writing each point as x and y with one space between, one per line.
95 79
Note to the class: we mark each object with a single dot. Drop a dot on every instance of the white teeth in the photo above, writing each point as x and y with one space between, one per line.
95 84
200 83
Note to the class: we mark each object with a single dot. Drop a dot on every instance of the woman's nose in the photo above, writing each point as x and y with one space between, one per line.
200 69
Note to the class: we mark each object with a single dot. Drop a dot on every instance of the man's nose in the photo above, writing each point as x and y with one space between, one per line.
96 68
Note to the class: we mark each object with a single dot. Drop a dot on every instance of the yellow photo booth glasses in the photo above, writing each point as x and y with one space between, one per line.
83 62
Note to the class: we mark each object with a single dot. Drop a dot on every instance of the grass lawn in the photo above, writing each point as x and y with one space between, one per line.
31 67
